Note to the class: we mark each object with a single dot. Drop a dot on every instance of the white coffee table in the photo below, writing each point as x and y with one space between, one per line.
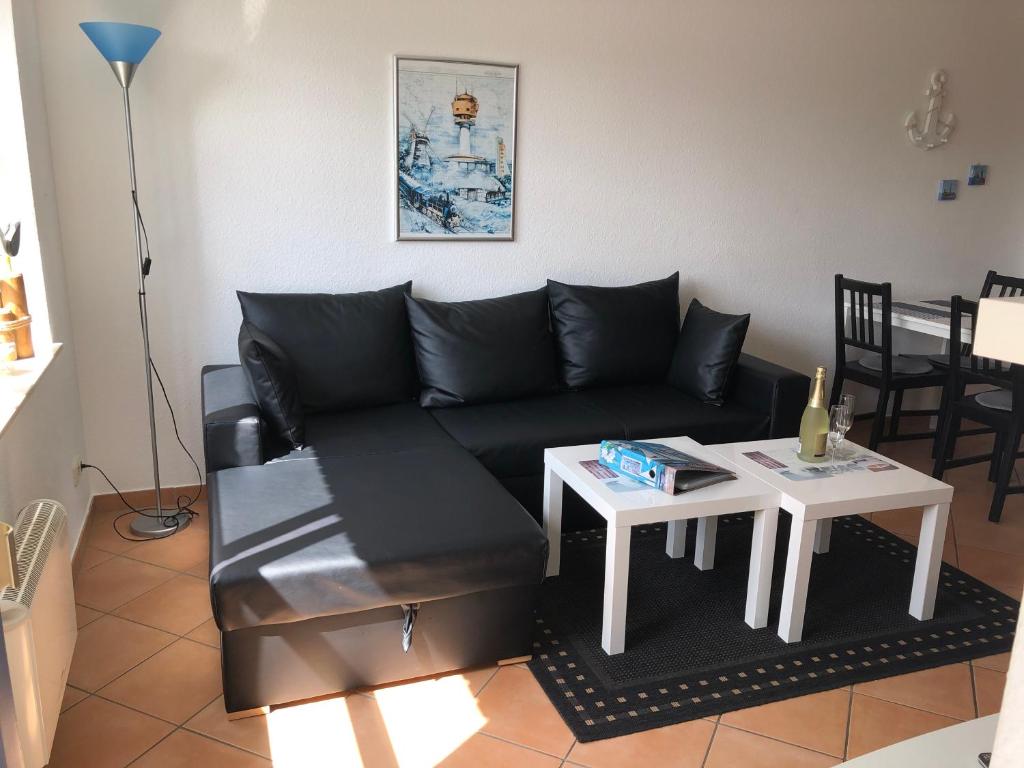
813 504
648 506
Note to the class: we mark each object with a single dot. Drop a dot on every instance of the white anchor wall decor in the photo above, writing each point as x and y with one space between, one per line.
937 127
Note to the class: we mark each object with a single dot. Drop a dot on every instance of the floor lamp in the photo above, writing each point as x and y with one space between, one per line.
124 46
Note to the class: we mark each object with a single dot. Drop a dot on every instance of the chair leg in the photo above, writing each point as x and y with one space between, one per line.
1006 462
837 388
897 406
998 447
950 429
879 425
940 421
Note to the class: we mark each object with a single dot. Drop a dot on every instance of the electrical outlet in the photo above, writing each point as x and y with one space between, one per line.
76 471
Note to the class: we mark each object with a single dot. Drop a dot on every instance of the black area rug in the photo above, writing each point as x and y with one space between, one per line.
689 653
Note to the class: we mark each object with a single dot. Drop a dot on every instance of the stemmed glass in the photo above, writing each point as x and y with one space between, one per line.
847 401
840 419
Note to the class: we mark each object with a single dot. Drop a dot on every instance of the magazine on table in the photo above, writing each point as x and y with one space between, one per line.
785 462
659 466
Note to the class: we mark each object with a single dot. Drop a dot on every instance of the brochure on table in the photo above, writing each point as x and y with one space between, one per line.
785 462
612 480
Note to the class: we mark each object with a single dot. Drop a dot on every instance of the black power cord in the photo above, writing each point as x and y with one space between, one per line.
184 502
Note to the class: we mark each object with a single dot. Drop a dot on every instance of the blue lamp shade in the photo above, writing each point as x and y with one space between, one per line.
121 42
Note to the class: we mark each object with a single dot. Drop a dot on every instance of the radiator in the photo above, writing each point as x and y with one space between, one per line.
39 625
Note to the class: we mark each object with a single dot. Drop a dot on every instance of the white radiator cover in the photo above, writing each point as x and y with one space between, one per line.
39 625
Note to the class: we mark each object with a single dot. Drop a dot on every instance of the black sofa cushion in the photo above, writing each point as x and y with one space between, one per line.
381 429
658 410
609 336
509 438
707 350
272 380
347 350
295 540
483 351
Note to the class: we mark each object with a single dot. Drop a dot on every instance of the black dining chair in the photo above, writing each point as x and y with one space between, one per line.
866 304
1000 409
995 285
1001 286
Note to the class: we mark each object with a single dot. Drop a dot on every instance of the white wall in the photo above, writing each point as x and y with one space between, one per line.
40 445
756 147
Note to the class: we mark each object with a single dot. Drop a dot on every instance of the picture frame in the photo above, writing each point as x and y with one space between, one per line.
454 133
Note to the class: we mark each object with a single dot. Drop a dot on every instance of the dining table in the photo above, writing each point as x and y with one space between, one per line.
929 317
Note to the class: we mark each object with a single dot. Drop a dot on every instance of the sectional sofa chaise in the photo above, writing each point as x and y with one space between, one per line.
375 464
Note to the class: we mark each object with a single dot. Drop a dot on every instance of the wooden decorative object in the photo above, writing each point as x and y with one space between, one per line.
14 300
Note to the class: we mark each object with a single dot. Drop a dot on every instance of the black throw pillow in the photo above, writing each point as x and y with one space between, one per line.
610 336
486 350
707 350
347 350
272 382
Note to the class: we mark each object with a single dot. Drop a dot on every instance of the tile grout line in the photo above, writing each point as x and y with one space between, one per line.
487 682
776 739
849 726
974 690
707 750
185 727
523 746
911 706
145 752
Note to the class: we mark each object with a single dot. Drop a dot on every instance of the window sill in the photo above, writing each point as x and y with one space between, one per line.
17 383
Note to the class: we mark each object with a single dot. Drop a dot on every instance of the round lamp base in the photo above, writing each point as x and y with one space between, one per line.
162 527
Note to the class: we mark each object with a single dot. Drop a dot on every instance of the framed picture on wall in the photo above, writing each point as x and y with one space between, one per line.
455 148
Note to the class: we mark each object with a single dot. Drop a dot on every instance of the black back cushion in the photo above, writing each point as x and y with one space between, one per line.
485 350
273 384
709 346
347 350
610 336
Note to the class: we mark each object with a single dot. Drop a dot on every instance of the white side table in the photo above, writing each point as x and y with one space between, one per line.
813 504
647 506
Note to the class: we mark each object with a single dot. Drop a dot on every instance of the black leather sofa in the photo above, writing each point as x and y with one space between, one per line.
392 513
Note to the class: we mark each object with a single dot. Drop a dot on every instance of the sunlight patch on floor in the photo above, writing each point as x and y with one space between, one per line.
316 733
428 720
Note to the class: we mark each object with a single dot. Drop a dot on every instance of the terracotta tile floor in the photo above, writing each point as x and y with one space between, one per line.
144 688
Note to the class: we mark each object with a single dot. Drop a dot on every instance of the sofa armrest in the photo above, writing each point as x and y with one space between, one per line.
233 430
778 392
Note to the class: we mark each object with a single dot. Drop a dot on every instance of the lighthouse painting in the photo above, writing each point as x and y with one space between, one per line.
455 140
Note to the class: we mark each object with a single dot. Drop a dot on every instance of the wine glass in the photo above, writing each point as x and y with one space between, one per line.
838 416
848 402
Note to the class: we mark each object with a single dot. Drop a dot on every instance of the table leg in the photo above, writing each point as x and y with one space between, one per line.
616 582
798 575
823 536
675 544
762 558
929 561
704 553
553 518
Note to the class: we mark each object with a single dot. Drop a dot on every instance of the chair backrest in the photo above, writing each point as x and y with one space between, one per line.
864 304
1000 286
973 369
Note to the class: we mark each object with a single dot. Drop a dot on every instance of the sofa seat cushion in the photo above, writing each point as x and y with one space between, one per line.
659 410
295 540
509 438
384 429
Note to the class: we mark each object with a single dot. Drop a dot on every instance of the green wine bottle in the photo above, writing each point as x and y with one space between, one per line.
814 422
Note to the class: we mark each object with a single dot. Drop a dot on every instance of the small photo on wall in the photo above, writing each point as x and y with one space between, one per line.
977 175
948 189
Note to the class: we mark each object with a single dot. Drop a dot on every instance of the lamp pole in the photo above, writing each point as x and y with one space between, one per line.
143 317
